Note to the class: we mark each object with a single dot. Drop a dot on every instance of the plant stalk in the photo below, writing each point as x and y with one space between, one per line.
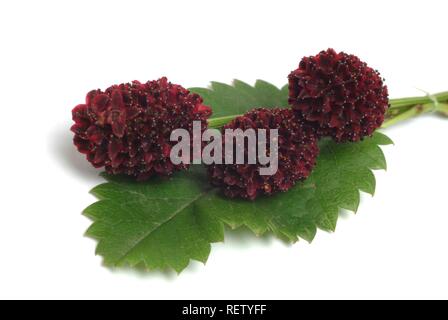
400 109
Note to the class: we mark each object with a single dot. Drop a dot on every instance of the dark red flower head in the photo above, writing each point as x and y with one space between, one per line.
127 128
339 95
297 153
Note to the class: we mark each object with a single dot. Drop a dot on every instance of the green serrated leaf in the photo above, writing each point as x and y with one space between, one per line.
227 100
153 223
165 223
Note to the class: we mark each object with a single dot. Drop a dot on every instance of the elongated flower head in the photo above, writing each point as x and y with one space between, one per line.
126 128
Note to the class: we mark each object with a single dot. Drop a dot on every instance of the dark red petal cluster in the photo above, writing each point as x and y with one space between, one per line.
339 95
297 155
127 128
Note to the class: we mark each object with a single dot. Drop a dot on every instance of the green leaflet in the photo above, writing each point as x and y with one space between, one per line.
164 223
155 223
227 100
342 170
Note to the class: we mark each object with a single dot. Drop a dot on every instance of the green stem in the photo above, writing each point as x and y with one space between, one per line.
221 121
412 101
407 114
400 109
414 111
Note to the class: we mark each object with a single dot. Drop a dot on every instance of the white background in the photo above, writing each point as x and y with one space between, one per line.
53 52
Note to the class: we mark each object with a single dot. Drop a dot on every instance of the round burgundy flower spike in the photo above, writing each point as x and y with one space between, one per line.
297 153
127 128
339 95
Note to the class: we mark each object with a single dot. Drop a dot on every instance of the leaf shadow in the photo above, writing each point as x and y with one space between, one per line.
62 148
244 238
140 271
345 214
